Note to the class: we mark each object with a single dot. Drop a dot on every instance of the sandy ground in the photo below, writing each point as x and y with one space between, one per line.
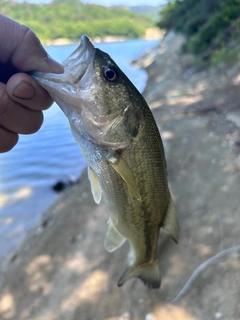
63 272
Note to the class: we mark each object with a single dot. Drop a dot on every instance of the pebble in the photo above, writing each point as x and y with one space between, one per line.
218 315
150 316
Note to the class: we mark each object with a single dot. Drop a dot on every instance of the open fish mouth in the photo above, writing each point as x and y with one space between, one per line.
75 67
83 52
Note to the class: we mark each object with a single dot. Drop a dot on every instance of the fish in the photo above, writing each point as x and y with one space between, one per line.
120 141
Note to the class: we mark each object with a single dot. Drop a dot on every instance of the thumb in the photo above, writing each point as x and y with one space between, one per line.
20 46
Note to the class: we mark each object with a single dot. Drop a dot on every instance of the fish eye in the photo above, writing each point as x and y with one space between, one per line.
111 74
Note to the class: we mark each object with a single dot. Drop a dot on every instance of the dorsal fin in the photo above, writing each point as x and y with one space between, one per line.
123 169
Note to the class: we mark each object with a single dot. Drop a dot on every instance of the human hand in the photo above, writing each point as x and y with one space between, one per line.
21 98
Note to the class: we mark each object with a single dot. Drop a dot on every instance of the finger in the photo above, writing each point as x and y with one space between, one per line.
25 91
8 139
7 70
24 48
15 117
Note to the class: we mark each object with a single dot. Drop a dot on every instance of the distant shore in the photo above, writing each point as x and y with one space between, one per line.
150 34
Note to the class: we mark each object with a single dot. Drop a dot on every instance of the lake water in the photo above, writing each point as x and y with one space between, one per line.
28 172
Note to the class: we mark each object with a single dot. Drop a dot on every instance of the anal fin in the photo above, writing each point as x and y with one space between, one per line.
113 238
95 185
123 169
170 225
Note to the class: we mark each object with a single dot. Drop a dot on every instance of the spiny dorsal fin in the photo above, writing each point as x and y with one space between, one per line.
123 169
95 185
113 238
170 225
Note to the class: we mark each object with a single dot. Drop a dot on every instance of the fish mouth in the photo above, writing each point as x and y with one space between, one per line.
83 52
75 67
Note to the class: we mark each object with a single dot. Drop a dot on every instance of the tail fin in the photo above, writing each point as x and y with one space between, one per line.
148 273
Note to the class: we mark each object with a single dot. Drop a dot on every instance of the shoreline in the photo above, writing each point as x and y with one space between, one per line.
151 34
107 39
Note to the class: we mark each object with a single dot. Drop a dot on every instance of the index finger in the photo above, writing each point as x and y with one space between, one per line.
20 46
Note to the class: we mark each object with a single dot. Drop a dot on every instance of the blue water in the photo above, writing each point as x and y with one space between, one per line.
38 161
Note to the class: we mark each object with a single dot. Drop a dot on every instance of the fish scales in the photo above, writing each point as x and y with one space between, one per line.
120 141
141 218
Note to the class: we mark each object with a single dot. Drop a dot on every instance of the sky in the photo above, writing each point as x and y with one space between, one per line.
127 2
114 2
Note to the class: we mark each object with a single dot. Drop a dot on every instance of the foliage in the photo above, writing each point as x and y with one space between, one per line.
208 25
230 56
71 19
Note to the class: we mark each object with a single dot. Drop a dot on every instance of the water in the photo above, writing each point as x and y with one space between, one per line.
28 172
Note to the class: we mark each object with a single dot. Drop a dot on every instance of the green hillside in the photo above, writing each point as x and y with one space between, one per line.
71 18
150 11
211 27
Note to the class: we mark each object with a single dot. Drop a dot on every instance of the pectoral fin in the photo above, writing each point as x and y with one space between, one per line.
170 225
113 238
123 169
95 185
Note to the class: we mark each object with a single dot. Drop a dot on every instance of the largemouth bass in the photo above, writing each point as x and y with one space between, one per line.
120 141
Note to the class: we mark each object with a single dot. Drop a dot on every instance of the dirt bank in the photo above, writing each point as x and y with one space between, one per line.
63 271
